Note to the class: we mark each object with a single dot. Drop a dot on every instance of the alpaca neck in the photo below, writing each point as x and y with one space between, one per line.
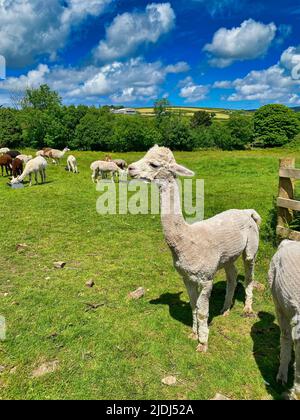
173 222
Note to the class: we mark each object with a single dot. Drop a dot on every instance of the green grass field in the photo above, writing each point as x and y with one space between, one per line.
221 114
123 349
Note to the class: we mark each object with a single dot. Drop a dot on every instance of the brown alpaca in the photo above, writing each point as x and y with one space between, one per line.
6 162
17 167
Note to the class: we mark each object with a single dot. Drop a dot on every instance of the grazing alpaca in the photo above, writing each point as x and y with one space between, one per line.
103 168
34 166
72 164
43 152
4 150
201 249
17 167
24 158
284 278
6 162
13 154
56 155
122 164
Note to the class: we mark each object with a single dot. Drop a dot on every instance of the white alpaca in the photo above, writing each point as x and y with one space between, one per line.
103 168
4 150
284 278
34 166
56 155
72 164
201 249
24 158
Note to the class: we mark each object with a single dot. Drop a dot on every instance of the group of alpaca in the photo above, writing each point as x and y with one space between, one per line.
201 249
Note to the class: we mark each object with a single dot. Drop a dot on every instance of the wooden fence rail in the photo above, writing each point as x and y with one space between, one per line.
286 200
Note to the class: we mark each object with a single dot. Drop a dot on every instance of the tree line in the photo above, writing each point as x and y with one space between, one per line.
41 120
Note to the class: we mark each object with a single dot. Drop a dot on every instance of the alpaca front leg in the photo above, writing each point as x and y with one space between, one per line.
193 292
249 280
232 274
203 314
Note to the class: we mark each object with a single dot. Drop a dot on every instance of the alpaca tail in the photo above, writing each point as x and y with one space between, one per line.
255 216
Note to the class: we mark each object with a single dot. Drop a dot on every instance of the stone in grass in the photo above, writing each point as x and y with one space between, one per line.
220 397
2 369
90 284
21 247
137 294
45 369
169 381
59 265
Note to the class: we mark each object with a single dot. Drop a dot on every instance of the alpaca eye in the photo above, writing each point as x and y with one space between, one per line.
154 165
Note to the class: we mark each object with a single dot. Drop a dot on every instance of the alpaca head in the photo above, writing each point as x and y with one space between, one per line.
14 180
66 149
158 165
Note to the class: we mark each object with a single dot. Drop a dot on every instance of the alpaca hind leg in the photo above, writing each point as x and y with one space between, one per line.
203 315
231 274
286 345
249 280
36 178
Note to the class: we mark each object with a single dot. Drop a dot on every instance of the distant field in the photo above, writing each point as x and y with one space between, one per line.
221 114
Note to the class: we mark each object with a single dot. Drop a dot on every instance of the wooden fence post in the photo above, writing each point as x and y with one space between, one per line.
286 190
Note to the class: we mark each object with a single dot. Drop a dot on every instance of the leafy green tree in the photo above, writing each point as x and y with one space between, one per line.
241 127
201 119
177 134
10 129
42 98
161 109
275 125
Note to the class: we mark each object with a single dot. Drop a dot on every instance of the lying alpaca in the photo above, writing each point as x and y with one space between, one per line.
72 164
201 249
5 163
34 166
284 278
24 158
103 168
17 167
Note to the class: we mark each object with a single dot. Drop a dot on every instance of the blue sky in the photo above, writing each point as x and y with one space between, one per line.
213 53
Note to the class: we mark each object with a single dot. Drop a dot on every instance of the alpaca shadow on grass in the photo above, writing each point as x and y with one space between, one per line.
180 310
266 351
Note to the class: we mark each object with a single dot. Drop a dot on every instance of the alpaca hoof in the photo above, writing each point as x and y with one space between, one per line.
226 313
282 378
202 348
249 313
193 336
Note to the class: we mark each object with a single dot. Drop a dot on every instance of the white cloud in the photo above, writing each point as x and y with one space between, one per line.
30 28
130 30
134 80
274 84
217 7
192 92
249 41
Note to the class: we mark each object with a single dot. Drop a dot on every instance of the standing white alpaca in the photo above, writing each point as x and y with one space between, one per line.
34 166
201 249
72 164
103 168
284 278
56 155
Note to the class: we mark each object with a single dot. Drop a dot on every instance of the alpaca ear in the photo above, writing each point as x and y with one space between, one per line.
182 171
